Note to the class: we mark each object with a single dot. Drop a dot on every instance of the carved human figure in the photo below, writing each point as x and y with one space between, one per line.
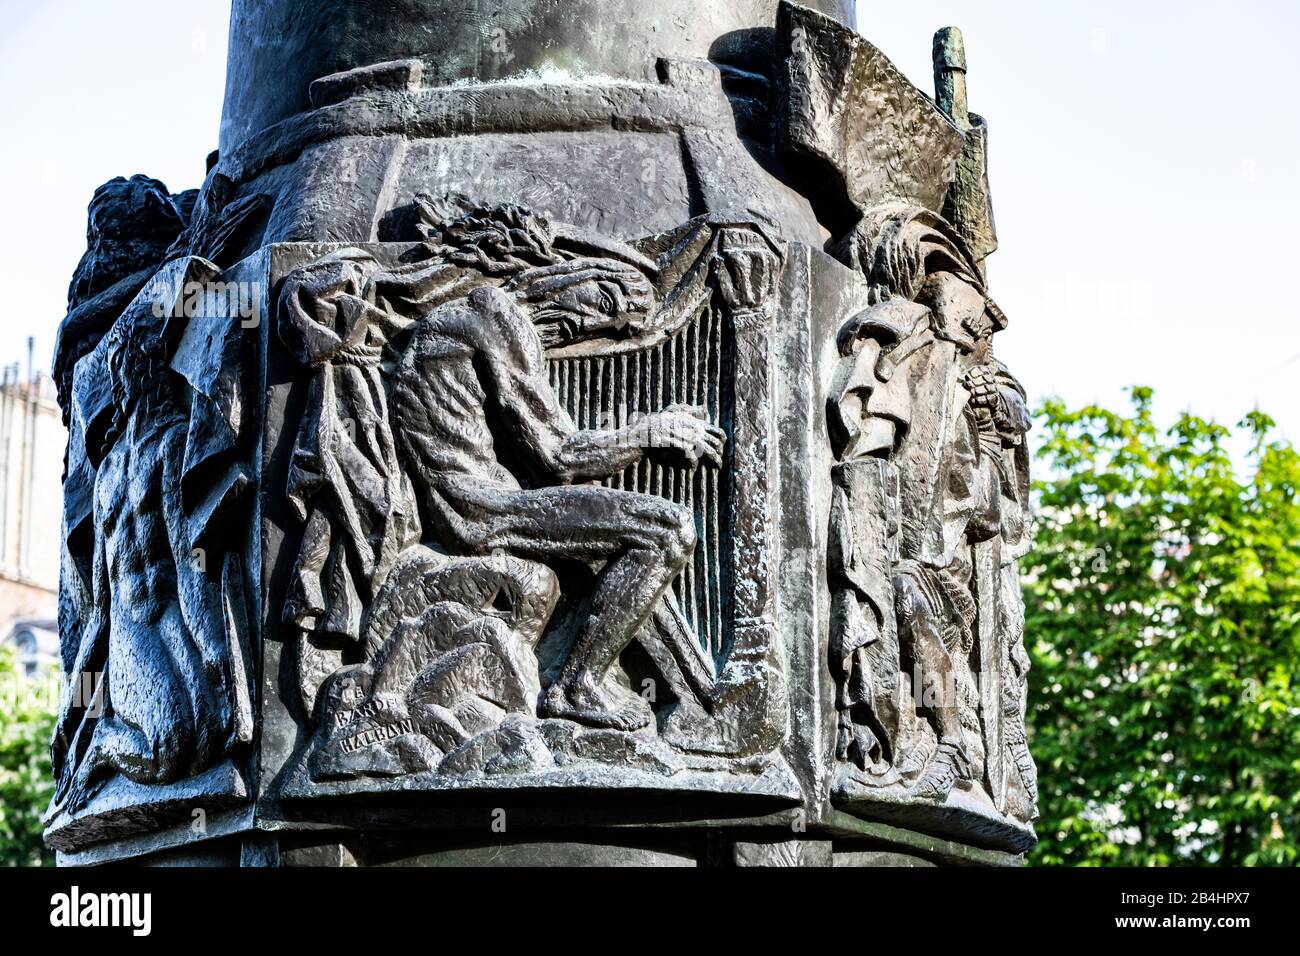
344 479
499 465
1019 796
919 370
169 701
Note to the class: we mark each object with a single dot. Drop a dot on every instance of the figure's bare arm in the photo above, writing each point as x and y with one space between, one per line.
517 377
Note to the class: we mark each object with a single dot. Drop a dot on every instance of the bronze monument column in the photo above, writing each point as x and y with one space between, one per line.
560 432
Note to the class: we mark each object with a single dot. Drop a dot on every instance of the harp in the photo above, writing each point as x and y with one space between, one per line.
696 351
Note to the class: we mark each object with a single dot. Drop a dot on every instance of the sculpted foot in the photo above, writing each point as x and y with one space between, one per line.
946 769
85 784
580 701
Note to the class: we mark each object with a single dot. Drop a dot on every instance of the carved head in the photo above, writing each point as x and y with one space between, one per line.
871 397
924 288
908 252
584 298
130 224
959 307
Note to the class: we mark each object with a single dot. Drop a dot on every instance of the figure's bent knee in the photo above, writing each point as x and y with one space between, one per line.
680 536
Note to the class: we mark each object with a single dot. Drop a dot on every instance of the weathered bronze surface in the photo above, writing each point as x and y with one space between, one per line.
555 433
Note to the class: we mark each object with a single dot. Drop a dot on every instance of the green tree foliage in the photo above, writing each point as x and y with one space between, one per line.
1163 610
26 724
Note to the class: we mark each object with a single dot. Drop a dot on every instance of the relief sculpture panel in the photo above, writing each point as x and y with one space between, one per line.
702 513
157 702
929 515
532 487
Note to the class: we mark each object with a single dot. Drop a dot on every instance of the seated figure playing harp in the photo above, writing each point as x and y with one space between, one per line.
499 466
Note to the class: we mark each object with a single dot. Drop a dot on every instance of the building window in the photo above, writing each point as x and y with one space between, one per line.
28 652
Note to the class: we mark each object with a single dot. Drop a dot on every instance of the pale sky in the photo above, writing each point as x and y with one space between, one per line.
1143 160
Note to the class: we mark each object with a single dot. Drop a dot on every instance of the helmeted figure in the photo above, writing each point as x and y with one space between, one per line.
919 373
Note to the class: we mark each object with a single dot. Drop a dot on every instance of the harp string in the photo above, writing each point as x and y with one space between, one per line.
609 391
